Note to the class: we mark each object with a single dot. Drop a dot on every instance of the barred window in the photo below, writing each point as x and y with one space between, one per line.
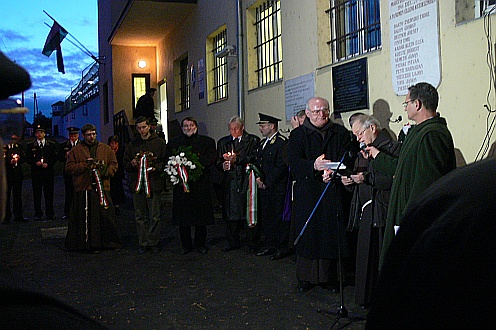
184 87
218 90
355 27
269 43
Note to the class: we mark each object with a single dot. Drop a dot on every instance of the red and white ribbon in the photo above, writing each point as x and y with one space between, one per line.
251 196
183 173
99 188
143 180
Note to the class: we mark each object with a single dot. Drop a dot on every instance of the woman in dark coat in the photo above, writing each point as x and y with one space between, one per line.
194 208
369 206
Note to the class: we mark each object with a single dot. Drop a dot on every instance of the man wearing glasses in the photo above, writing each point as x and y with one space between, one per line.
426 155
311 146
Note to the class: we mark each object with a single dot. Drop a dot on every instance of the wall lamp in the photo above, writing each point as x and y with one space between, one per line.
142 64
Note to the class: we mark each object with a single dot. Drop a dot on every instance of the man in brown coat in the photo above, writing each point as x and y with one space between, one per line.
92 225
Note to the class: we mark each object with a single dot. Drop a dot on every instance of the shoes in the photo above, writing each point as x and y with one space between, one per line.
51 218
155 249
184 251
230 248
304 286
281 254
253 249
38 219
5 222
96 251
266 252
203 250
333 287
143 249
21 219
65 217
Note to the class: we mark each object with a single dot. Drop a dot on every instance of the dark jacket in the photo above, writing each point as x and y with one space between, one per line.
272 165
319 241
14 172
35 153
235 181
194 208
155 145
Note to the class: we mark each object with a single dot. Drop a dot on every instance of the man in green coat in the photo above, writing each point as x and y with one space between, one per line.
426 155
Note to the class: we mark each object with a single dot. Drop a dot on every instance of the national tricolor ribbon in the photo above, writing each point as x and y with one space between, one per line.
183 172
143 180
251 195
99 188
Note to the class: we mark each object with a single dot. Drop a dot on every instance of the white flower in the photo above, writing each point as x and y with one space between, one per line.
193 166
181 154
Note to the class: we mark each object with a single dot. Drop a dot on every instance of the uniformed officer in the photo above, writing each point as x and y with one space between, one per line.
272 186
14 156
64 148
41 154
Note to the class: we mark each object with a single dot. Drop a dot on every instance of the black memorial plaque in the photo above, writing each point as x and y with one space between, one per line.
350 87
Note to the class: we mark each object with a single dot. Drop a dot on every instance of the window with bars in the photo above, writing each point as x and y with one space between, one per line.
184 81
219 85
355 27
268 44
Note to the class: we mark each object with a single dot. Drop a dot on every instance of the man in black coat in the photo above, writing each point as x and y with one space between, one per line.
14 157
64 148
234 152
272 186
41 154
310 149
145 107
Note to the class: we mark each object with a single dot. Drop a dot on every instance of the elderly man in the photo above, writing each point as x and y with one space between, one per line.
272 187
310 149
234 152
369 204
144 160
426 155
92 225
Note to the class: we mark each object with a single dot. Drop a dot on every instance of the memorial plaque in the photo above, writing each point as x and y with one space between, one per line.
350 87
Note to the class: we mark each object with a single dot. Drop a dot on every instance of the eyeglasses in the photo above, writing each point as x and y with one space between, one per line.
405 104
359 134
324 111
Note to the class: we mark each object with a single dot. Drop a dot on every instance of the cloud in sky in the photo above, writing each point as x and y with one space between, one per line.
22 38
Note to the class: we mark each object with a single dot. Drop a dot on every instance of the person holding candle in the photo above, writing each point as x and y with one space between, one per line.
41 154
235 151
14 156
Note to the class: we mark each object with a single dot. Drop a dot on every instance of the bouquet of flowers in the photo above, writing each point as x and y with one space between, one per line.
183 167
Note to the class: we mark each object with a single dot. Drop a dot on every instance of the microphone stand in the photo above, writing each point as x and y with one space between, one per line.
342 311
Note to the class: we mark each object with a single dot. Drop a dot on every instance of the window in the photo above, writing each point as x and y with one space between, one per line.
184 89
181 83
268 44
217 74
355 27
467 10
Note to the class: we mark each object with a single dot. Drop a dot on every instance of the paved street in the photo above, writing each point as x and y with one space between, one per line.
125 290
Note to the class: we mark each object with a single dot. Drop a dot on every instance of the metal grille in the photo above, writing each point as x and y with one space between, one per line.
219 88
184 78
355 27
269 43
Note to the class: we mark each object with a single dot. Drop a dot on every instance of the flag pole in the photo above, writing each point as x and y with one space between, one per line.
86 51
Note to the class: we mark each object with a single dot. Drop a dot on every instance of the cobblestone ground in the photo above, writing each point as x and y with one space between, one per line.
164 290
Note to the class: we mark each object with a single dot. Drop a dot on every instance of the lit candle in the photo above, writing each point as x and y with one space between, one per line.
16 158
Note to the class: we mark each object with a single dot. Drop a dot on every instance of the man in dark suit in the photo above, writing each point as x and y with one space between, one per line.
14 156
65 147
235 151
272 187
41 154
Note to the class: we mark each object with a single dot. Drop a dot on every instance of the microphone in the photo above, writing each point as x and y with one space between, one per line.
397 120
363 145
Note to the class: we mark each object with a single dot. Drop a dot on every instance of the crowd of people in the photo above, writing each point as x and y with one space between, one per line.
344 201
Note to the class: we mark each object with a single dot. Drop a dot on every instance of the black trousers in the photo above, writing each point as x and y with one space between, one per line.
14 193
187 240
43 184
69 193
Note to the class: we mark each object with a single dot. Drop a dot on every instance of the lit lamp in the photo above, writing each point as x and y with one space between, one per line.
142 64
